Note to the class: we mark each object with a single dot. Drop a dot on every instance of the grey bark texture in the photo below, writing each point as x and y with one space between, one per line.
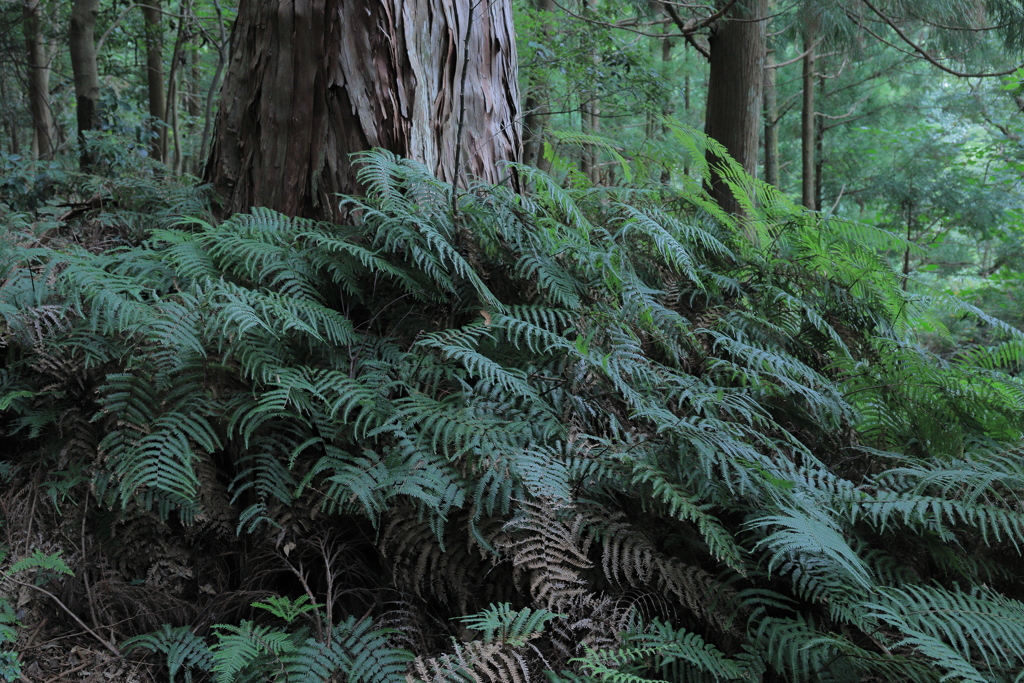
311 81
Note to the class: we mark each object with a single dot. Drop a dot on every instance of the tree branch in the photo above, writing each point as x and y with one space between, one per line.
921 51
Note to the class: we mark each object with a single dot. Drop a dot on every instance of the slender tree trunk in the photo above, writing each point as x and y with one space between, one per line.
771 125
590 112
83 65
155 76
535 120
666 57
171 116
735 85
590 124
10 120
687 106
312 81
222 59
819 150
38 80
194 98
807 117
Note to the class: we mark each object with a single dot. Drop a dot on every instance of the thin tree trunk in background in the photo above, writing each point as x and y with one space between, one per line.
666 57
312 81
193 104
735 84
173 79
535 121
38 81
819 150
590 124
771 125
686 108
590 112
10 120
222 59
174 89
194 100
155 76
81 41
807 117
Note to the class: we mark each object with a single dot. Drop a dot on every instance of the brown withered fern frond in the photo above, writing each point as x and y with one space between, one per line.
630 559
591 621
475 662
459 573
549 554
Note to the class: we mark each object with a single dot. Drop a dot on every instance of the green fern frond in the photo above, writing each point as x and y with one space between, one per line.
184 649
814 537
249 646
500 623
354 651
957 630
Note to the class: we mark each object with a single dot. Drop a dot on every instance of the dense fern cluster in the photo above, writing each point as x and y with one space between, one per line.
617 433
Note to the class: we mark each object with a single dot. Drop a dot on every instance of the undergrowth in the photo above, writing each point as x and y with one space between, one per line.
584 433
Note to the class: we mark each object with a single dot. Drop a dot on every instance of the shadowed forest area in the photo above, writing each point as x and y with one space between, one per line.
502 341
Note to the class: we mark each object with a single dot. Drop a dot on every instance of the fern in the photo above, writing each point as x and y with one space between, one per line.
500 623
354 651
714 448
185 651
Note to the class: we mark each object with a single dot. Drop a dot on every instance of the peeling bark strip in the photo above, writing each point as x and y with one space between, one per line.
312 81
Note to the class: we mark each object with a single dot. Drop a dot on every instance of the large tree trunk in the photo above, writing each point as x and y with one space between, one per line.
312 81
735 88
155 76
38 80
83 63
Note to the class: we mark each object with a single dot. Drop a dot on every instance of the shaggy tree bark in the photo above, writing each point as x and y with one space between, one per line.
311 81
83 63
38 80
735 87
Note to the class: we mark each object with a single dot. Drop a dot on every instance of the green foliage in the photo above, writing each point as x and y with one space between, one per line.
251 652
10 667
502 623
40 561
687 446
41 564
185 651
286 608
